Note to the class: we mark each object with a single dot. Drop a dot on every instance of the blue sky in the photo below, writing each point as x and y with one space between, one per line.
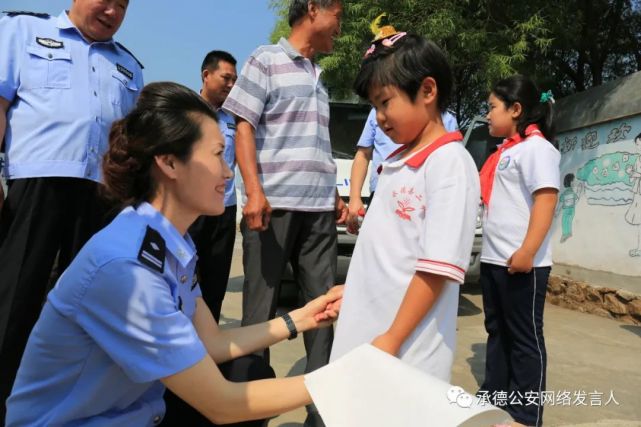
171 38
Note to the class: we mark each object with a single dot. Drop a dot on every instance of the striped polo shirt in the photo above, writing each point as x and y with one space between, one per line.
279 92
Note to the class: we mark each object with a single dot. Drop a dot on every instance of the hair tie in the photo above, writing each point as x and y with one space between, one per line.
547 96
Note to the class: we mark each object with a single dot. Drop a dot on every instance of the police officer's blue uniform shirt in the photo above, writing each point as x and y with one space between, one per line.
227 126
118 320
373 136
64 94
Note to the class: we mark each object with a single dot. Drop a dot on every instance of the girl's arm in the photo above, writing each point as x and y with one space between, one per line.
419 299
204 388
540 221
226 344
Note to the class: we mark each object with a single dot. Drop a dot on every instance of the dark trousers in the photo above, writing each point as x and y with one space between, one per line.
243 369
308 241
516 358
214 237
41 218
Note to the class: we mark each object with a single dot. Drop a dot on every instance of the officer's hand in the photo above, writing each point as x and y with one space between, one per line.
319 312
354 209
257 212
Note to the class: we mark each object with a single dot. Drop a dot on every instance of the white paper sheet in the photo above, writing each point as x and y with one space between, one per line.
369 388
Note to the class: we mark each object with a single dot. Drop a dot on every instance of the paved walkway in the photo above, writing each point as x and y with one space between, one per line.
591 360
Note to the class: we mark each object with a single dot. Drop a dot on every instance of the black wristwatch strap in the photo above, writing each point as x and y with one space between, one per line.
293 333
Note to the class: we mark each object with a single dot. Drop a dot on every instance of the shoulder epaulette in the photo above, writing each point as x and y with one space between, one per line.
142 67
12 13
152 250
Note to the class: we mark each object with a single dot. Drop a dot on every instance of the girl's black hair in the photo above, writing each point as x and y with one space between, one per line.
165 120
405 65
522 89
637 137
568 180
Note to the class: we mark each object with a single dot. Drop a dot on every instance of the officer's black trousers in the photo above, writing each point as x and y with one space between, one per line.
41 218
214 237
516 359
248 368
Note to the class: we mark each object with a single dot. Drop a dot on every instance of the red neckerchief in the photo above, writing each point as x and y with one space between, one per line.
420 156
489 168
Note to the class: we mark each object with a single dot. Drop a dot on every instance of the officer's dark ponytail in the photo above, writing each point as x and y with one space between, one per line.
166 120
536 109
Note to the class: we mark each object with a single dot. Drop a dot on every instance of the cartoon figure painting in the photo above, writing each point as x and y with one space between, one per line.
633 215
567 203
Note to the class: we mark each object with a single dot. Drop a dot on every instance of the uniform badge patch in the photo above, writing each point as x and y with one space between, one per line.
152 250
50 43
123 70
505 162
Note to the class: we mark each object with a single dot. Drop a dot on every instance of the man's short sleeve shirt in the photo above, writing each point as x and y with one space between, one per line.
279 92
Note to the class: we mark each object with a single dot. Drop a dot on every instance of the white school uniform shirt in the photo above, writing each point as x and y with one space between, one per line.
523 169
422 219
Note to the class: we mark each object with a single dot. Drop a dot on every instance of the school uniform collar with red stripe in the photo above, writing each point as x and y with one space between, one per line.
417 159
488 171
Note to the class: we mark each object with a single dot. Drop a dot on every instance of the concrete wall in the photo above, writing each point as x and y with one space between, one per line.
598 223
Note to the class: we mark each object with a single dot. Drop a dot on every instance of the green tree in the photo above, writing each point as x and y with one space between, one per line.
566 46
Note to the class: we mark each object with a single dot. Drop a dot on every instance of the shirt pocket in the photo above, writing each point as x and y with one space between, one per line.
123 92
47 68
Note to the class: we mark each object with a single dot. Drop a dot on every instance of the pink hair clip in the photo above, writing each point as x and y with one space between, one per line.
388 42
371 50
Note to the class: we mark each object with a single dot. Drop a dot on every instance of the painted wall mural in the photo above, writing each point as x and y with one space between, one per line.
598 218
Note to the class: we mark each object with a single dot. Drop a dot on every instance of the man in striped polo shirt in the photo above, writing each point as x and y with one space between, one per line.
290 202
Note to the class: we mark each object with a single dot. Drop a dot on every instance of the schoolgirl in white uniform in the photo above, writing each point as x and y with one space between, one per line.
414 246
519 188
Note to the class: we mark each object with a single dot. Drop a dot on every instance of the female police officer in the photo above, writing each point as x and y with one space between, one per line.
127 317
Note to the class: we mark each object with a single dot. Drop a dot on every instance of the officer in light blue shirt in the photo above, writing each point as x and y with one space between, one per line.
63 81
127 319
215 236
94 335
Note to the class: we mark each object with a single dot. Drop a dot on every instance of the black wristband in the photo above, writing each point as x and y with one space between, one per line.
293 333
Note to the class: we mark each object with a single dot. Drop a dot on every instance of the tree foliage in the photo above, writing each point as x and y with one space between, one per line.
567 46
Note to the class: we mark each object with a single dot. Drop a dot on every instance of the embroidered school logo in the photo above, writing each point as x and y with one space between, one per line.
505 162
407 202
